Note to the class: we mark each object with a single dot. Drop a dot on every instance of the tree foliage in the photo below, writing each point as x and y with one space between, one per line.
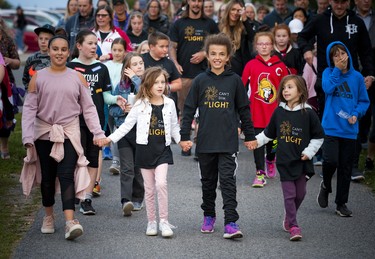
4 4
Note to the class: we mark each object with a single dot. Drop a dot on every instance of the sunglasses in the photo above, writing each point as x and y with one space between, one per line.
102 15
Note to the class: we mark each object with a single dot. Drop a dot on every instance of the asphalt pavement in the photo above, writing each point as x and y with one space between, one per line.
110 235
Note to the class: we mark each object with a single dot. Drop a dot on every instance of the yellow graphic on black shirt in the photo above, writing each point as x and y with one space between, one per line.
215 99
266 90
191 34
289 133
154 121
156 127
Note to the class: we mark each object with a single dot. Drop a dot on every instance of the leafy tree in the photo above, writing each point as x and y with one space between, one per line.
5 5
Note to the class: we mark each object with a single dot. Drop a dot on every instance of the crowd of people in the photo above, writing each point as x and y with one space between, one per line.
299 81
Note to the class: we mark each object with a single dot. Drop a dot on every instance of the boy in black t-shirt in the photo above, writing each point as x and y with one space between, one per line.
159 45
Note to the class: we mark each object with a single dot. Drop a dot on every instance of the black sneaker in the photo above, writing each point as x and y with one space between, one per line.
357 175
86 208
322 198
369 165
343 211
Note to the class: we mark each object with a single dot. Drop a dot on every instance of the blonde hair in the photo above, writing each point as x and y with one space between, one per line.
148 81
141 45
234 33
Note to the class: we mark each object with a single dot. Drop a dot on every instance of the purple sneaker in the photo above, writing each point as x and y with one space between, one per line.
295 234
232 230
271 168
208 224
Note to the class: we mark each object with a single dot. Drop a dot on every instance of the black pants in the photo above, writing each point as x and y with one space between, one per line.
51 169
338 154
91 151
259 153
222 166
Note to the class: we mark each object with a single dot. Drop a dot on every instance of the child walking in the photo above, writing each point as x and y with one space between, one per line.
132 190
154 111
220 98
263 75
97 77
118 50
299 134
289 55
42 118
346 102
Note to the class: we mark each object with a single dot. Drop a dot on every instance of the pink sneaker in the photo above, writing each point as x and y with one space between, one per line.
259 180
295 234
271 168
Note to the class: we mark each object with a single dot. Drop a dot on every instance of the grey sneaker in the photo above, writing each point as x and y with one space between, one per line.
137 206
115 167
322 198
48 226
357 175
343 211
73 229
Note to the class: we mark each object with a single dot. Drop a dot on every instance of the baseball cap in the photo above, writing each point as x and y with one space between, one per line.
45 28
115 2
295 26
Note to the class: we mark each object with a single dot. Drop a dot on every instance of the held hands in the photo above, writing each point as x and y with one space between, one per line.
102 142
251 145
186 145
304 157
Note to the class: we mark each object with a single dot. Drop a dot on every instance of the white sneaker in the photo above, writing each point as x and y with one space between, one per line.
73 229
48 226
166 228
152 229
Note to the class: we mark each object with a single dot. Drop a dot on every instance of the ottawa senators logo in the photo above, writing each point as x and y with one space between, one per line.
266 90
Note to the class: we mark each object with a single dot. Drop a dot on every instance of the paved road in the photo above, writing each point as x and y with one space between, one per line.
110 235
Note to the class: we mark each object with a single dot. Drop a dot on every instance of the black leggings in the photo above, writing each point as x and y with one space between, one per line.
51 169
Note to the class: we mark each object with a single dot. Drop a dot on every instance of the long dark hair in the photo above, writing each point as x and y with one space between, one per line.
80 38
301 88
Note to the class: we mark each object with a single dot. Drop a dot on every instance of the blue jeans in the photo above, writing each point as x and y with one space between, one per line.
19 39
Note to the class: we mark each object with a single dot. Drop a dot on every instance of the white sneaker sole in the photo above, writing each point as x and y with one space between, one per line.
47 231
127 209
74 232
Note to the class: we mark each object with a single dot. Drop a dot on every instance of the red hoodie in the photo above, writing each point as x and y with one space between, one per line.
262 78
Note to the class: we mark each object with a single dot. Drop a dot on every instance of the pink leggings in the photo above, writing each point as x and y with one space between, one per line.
156 179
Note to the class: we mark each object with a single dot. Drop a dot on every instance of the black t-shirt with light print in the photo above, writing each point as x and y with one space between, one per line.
97 77
222 101
293 131
189 34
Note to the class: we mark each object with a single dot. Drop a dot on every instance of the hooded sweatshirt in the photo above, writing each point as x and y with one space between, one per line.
298 131
220 99
345 96
262 79
349 29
